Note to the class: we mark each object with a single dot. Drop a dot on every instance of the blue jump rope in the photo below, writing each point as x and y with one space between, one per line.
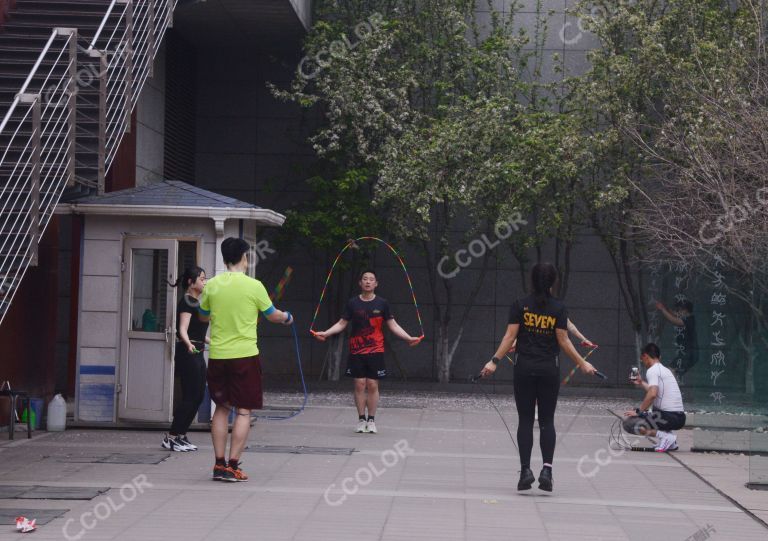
303 382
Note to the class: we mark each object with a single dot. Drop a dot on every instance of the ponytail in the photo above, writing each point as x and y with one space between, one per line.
543 278
190 276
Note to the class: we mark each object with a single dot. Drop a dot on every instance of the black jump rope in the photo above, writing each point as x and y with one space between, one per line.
478 377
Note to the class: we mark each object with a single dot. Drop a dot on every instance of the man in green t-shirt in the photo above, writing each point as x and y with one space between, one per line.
232 302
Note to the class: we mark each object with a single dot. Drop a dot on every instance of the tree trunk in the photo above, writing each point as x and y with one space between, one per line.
445 353
565 270
334 355
638 347
445 347
631 293
443 373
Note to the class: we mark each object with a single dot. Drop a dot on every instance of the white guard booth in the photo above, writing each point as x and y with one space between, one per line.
134 243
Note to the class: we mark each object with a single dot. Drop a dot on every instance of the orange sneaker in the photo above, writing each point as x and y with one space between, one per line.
238 474
223 473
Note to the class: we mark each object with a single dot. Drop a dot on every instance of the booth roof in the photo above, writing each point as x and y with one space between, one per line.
170 193
171 198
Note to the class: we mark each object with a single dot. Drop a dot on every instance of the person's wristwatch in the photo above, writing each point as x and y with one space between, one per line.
494 360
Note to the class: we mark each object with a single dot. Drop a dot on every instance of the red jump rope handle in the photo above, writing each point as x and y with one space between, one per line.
314 333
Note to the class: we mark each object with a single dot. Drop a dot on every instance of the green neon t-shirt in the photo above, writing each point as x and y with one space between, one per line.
233 301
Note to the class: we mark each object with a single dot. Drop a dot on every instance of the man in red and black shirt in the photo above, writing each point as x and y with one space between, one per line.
367 313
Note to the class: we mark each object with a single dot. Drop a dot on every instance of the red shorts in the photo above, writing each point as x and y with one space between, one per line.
236 382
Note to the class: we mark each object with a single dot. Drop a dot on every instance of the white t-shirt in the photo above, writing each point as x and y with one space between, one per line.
669 397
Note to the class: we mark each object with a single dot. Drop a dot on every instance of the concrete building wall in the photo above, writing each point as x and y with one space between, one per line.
64 299
564 34
150 125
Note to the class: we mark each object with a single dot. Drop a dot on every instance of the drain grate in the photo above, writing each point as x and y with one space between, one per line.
41 516
300 450
119 458
114 458
62 493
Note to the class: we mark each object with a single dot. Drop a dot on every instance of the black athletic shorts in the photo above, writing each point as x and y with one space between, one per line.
655 420
369 365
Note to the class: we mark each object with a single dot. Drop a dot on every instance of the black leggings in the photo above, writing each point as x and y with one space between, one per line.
536 385
190 367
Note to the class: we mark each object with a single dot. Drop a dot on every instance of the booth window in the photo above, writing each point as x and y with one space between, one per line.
149 304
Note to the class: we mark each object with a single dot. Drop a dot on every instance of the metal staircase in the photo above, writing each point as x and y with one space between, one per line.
72 72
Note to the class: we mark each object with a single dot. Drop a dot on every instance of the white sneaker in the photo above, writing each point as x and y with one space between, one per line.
371 427
667 442
362 427
672 443
172 443
183 439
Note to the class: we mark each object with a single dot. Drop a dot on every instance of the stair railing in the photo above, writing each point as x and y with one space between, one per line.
38 160
39 129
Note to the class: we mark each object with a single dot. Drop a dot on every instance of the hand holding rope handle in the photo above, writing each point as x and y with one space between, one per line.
593 347
416 341
318 335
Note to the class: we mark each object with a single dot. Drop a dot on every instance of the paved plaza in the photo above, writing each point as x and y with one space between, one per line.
441 467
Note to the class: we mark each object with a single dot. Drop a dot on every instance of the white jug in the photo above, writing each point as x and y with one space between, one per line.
57 414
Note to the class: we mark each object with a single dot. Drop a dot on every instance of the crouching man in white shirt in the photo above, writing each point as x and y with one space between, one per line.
661 391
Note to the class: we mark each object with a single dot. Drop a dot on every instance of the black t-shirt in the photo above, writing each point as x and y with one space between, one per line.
536 340
197 329
367 324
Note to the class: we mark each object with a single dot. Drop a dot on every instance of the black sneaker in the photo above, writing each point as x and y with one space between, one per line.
526 479
545 479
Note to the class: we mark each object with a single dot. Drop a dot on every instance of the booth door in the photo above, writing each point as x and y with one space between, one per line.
149 311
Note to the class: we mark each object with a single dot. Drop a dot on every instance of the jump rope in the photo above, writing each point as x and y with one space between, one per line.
353 244
617 437
618 440
276 295
477 378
